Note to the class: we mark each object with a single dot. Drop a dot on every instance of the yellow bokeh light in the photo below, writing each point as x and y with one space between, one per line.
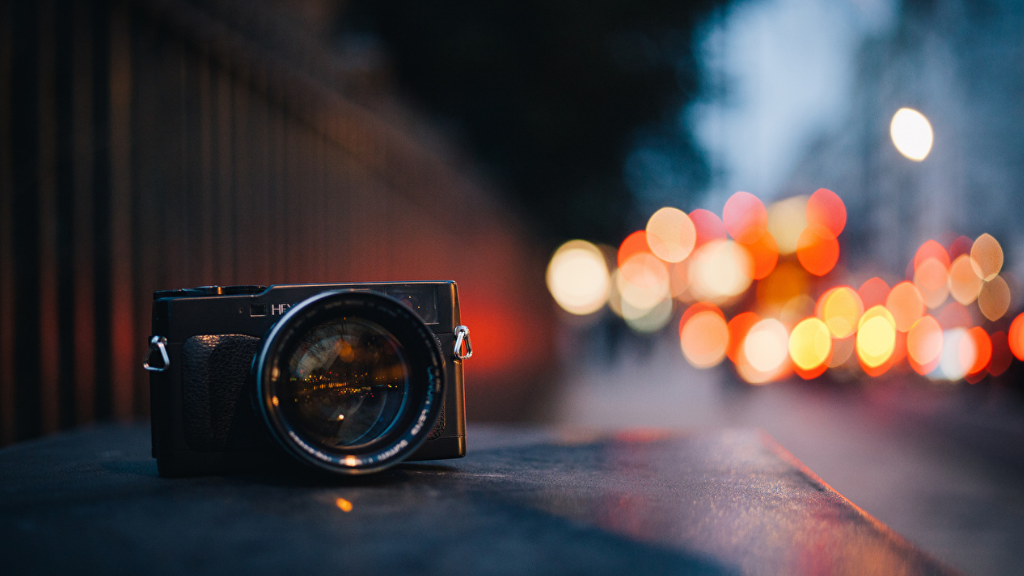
786 221
986 257
964 283
578 278
810 344
720 270
911 134
994 298
704 339
842 311
876 336
767 345
671 234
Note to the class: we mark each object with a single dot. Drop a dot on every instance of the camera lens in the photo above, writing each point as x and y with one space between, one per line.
350 381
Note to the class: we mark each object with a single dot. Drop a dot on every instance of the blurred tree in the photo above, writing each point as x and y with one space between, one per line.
551 96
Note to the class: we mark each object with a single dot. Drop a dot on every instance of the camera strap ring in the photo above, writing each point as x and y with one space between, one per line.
157 344
462 336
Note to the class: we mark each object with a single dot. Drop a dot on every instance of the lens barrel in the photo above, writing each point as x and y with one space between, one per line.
351 382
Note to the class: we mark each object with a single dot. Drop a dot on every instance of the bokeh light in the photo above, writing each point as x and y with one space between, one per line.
790 252
931 249
964 283
826 209
982 349
906 305
786 220
704 337
786 282
924 344
911 134
679 280
634 244
708 226
720 270
876 336
957 354
745 217
873 292
817 250
994 298
986 257
739 326
764 254
1015 336
810 344
932 279
671 234
643 281
577 277
841 310
766 346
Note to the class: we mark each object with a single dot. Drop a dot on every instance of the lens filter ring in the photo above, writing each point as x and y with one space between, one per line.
351 382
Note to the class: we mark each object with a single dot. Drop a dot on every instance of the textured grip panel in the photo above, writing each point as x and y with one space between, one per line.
217 410
439 427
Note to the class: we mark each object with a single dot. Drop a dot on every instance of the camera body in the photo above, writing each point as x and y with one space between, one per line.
205 419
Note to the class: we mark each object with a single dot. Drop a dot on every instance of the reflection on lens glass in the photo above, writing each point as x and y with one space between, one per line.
345 383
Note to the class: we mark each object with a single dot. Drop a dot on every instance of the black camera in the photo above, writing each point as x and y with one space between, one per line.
348 378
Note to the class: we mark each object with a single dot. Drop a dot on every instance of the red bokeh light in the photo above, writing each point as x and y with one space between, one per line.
826 209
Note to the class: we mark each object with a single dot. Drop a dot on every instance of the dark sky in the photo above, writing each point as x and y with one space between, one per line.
549 97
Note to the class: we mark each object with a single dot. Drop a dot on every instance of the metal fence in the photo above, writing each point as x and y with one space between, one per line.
148 145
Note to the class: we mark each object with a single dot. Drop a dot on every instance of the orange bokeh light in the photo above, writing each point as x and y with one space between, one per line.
634 244
906 305
765 254
873 292
786 282
817 250
982 349
703 335
931 249
986 257
708 226
964 283
1015 337
994 298
738 328
745 217
671 234
825 208
924 344
932 277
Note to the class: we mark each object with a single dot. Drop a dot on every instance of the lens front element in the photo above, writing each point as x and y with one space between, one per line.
350 382
346 382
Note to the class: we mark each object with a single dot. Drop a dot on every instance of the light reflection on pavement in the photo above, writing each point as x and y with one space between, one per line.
910 471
